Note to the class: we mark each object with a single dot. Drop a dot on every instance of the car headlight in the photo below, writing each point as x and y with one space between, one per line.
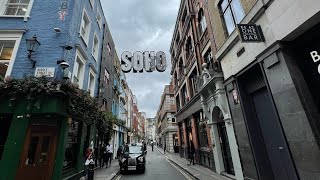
123 160
140 159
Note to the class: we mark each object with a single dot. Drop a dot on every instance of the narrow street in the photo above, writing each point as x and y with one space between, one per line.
158 167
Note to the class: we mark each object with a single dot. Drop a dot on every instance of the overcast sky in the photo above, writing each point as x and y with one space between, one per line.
143 25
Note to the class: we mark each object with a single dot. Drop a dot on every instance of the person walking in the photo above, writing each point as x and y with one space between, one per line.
109 154
164 149
102 158
192 152
152 145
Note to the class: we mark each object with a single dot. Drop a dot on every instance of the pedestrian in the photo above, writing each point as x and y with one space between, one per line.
152 145
89 159
109 154
102 156
119 151
192 152
164 149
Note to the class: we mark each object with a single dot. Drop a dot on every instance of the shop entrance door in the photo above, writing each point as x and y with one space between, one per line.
225 148
37 158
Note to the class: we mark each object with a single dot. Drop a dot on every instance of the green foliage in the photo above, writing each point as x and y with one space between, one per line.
78 103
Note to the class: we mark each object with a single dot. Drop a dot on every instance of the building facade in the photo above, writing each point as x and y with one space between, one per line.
70 32
271 85
166 121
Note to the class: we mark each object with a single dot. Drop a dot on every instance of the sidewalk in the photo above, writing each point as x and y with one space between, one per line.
107 173
196 171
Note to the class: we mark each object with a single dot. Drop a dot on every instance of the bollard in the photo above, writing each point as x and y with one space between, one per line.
91 171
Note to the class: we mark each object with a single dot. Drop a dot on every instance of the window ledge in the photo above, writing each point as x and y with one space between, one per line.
25 18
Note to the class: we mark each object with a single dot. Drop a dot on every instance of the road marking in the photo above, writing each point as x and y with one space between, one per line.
118 178
182 172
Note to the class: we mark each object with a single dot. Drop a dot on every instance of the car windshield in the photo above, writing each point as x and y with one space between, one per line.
133 150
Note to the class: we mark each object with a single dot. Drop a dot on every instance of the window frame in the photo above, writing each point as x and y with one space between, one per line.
106 78
91 3
99 21
3 7
12 37
92 91
233 16
95 53
85 39
202 21
83 61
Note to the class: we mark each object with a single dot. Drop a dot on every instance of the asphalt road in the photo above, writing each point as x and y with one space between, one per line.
158 168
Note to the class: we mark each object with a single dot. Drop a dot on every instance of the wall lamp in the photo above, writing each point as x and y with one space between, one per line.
32 46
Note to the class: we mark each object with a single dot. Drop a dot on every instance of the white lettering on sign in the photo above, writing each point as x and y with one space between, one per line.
47 72
315 57
249 33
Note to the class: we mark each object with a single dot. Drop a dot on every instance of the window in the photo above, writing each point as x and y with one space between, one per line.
78 70
16 7
99 19
181 66
4 130
208 59
202 21
104 105
95 48
71 152
188 48
173 119
91 83
91 3
8 51
106 76
85 27
109 49
232 13
202 130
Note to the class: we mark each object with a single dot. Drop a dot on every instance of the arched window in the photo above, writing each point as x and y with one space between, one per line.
189 47
202 21
181 67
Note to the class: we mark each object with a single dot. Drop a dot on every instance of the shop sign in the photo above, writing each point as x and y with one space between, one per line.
44 71
148 60
250 33
315 57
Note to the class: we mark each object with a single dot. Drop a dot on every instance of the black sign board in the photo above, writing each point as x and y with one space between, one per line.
250 33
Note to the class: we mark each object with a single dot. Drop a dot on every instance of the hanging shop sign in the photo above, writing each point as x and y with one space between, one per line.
315 57
44 71
250 33
148 60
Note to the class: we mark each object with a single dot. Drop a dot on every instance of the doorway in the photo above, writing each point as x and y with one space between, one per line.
37 158
271 152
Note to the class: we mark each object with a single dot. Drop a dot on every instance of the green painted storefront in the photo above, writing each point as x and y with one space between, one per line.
51 112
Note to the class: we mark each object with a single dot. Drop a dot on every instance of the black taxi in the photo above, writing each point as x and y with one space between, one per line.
133 158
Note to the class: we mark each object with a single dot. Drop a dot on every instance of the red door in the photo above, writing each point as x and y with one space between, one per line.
37 158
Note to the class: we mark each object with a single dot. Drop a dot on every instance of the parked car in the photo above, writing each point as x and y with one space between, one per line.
133 158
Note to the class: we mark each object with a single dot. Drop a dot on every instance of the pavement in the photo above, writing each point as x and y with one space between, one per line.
107 173
195 171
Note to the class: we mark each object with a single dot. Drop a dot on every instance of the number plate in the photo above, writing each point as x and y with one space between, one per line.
131 168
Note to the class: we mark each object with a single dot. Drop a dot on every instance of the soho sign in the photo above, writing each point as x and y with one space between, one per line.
315 57
148 60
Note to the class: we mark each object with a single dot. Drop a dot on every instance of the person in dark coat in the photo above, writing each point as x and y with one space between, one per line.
165 148
192 152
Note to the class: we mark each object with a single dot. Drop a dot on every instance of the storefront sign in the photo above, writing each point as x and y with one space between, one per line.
148 60
315 57
250 33
47 72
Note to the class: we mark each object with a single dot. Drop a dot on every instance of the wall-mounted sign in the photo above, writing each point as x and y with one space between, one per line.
315 57
44 71
250 33
149 61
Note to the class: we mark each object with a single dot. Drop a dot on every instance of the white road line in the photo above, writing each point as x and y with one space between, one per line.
118 178
183 173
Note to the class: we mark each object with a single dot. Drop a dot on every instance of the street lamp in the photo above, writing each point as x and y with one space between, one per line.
32 46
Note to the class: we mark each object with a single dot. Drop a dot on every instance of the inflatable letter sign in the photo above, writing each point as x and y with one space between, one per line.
149 61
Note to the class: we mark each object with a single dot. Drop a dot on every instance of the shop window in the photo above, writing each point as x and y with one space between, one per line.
202 130
72 146
232 13
4 130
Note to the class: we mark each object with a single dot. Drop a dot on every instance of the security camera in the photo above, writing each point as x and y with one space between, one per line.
57 30
64 65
